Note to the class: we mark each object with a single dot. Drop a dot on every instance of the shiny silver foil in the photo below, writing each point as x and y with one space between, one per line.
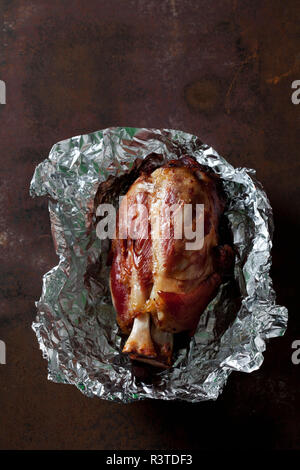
76 322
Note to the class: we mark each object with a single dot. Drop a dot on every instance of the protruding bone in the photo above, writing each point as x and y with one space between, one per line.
163 342
139 342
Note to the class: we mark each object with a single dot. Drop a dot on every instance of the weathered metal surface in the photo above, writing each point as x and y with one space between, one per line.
220 70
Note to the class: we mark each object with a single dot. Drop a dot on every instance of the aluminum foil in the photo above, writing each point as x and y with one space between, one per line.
76 322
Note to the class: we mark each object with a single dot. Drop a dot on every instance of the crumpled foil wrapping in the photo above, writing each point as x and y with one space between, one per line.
76 322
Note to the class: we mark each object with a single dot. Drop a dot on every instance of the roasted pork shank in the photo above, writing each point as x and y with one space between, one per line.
162 278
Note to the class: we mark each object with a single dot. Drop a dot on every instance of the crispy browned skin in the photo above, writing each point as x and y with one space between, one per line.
158 286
